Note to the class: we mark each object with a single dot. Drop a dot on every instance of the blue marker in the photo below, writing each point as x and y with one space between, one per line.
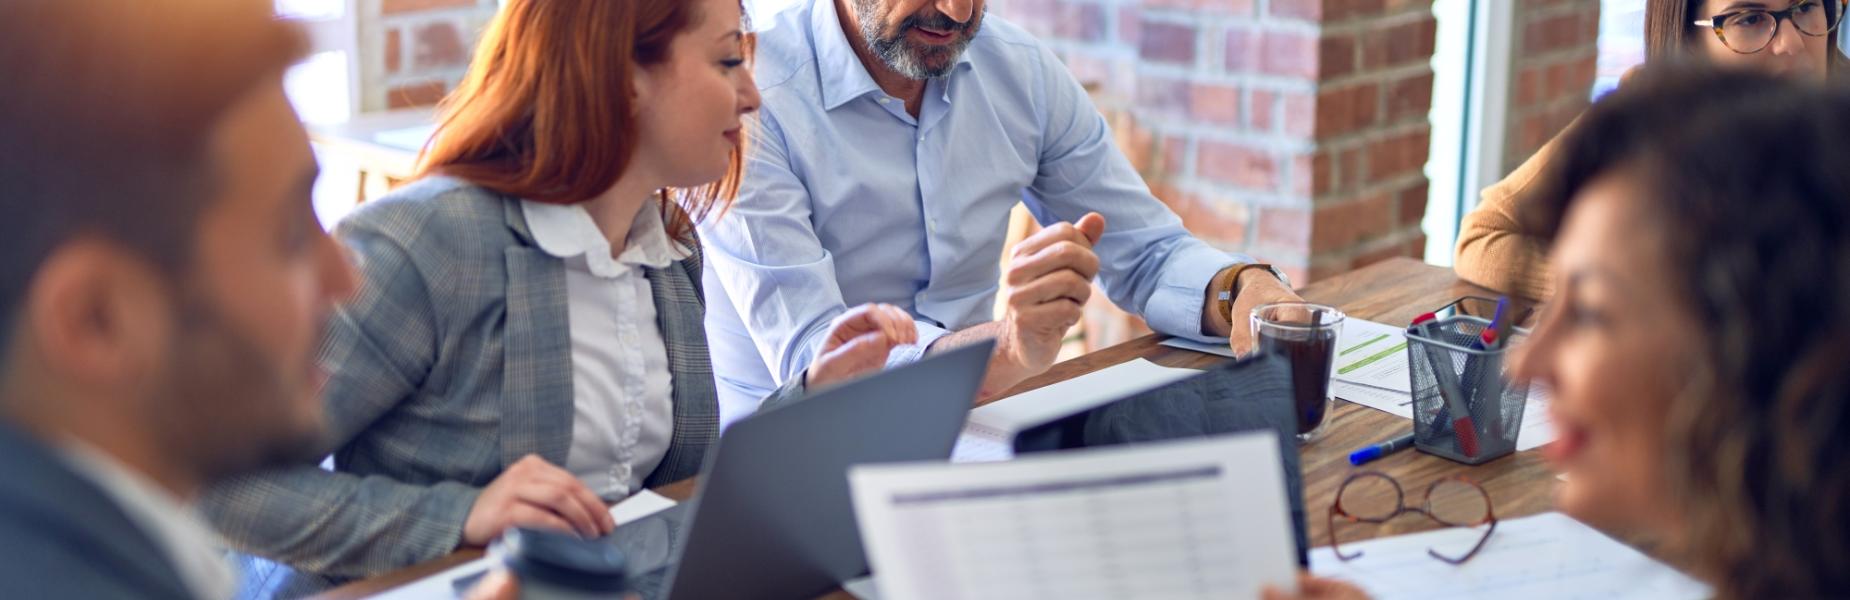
1496 318
1370 453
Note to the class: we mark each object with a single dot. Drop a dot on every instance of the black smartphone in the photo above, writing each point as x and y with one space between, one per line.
1519 311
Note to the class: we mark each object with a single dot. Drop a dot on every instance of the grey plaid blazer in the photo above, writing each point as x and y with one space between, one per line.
452 362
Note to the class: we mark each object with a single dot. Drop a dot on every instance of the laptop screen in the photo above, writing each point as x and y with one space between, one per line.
1247 395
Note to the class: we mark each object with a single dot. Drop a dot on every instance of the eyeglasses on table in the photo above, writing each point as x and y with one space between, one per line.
1374 497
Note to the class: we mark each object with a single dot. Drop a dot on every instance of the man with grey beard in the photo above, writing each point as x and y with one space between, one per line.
895 137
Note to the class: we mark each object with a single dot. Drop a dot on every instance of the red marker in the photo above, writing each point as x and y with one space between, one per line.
1450 390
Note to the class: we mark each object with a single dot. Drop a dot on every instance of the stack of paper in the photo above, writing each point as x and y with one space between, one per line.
1371 370
1544 556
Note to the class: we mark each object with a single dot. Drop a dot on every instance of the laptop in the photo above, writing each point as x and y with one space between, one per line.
1253 394
773 517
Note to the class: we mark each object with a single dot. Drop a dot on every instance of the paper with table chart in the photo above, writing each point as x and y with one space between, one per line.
1373 354
442 586
1371 370
1545 556
1202 518
989 435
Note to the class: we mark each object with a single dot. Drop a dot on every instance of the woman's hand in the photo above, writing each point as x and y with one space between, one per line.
858 343
497 585
1316 588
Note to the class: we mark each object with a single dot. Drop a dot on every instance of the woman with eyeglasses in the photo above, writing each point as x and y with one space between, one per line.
1498 249
1699 340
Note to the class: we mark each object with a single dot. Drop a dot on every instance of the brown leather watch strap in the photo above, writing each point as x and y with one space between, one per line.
1230 292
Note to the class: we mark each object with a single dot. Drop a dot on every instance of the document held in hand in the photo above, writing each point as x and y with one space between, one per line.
1203 518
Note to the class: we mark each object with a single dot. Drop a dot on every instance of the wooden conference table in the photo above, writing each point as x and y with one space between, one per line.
1390 292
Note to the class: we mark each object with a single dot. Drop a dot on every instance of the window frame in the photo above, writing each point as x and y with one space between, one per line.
337 34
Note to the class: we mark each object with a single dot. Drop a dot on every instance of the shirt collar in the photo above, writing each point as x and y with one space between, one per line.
191 547
567 231
843 76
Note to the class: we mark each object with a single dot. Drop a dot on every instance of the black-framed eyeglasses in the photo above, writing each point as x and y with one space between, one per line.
1376 497
1751 30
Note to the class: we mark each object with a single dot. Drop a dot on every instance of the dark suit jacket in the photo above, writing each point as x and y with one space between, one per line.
62 537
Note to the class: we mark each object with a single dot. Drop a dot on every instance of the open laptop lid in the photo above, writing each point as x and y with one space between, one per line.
1240 396
774 519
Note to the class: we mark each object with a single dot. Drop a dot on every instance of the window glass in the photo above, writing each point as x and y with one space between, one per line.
1621 42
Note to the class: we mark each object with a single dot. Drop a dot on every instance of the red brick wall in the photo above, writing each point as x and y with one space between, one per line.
1555 57
1294 130
423 48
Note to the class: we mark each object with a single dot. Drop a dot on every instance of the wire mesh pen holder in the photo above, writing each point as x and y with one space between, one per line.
1451 374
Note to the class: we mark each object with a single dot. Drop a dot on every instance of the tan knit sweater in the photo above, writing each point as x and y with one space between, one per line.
1495 249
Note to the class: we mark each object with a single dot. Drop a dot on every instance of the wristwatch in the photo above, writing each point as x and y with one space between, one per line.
1226 294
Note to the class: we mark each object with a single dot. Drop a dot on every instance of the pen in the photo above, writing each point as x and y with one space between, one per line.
1369 453
1419 323
1496 318
1483 377
1477 373
1485 341
1454 408
1474 371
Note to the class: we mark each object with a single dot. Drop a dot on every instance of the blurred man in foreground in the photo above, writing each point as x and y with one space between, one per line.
163 282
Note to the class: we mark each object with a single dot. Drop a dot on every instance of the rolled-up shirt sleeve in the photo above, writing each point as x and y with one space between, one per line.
1149 264
779 278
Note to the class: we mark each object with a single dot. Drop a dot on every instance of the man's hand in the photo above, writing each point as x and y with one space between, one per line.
858 343
1255 287
535 493
1049 280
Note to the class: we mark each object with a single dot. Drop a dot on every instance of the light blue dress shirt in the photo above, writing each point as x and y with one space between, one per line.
848 199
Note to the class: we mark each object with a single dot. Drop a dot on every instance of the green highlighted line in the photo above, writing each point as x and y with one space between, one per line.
1372 359
1362 345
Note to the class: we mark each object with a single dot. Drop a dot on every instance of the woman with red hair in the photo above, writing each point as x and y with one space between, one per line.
528 342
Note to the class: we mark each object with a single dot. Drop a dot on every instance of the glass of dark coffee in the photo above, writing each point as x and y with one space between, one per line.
1305 334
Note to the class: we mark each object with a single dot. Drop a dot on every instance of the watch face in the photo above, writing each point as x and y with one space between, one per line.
1279 274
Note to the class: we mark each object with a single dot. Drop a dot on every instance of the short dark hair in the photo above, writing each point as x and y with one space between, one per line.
1747 178
106 117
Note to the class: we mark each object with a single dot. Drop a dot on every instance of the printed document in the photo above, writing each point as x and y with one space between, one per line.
1202 518
1545 556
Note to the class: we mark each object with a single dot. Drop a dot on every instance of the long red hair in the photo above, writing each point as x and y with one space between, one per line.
546 111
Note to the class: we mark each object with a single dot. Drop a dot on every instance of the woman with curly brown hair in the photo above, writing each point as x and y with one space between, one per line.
1699 340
